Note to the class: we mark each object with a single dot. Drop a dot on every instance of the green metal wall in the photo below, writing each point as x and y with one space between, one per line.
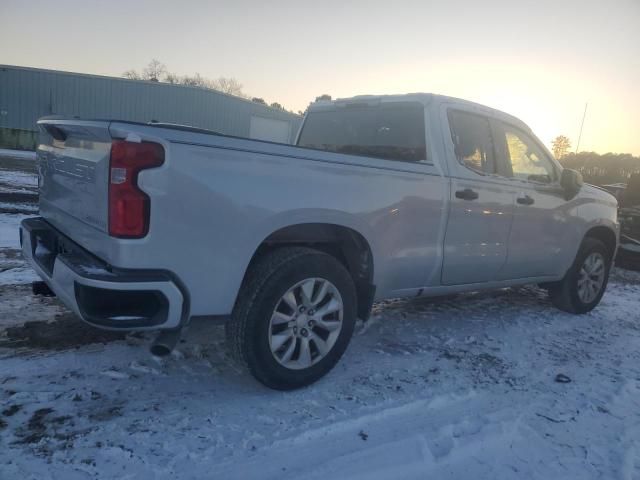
27 94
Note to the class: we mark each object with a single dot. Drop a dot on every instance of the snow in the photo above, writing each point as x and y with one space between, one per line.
11 207
13 269
13 180
462 387
17 275
9 230
18 177
631 247
18 154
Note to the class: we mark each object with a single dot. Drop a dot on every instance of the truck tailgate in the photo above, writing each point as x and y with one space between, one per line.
73 169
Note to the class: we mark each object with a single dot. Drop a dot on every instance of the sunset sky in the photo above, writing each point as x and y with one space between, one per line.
539 60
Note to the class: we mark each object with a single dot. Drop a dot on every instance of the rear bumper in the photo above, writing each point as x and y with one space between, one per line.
103 296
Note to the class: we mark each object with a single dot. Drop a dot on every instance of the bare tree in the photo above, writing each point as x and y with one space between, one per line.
560 146
131 75
276 105
155 71
172 78
196 80
228 85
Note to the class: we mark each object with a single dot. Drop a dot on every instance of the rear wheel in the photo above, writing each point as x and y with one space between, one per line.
294 317
584 284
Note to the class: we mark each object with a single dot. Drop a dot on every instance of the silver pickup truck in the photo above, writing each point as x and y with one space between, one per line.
148 226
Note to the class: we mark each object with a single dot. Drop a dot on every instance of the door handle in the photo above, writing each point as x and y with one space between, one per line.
526 200
467 194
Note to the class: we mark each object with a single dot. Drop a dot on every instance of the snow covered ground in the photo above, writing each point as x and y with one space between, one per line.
465 387
18 196
18 183
13 269
495 385
20 154
9 236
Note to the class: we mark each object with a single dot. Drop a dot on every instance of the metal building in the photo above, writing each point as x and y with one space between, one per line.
27 94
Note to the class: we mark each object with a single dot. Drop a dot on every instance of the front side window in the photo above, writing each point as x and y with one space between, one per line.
388 131
472 142
528 161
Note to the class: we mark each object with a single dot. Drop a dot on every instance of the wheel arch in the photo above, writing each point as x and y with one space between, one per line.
606 235
347 245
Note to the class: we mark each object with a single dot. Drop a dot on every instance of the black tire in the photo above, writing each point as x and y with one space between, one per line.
267 281
564 294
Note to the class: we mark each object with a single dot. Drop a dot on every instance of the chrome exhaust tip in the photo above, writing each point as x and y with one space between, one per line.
165 342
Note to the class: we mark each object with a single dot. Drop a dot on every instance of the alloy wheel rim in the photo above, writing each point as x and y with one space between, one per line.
591 277
306 323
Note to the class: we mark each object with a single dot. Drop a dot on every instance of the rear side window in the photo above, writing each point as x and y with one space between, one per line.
388 131
472 141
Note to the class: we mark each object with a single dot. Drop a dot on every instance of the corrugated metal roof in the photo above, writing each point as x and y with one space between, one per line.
27 94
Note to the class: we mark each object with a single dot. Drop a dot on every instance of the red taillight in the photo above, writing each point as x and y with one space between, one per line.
129 206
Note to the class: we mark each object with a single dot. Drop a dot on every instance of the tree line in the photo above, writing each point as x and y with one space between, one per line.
595 168
603 169
156 71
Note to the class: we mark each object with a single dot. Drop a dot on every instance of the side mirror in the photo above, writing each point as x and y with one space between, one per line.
571 182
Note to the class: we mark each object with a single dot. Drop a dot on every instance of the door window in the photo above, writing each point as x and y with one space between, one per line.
388 131
472 141
526 158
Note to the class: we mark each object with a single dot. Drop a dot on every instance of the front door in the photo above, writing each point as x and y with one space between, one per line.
542 219
481 210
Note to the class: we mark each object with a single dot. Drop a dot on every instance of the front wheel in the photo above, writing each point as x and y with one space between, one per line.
584 284
294 317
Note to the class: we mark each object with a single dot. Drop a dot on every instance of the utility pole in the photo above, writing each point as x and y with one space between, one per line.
581 126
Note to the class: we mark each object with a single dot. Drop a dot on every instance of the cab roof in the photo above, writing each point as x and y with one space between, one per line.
424 98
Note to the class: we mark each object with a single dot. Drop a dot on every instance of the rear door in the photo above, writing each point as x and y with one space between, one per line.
481 210
542 222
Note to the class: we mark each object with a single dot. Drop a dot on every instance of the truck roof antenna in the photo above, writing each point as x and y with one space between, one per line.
581 125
